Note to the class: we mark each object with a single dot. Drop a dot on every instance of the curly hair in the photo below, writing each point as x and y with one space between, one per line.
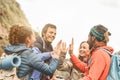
18 34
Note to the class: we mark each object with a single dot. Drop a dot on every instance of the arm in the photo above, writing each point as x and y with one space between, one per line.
76 62
61 59
42 56
79 64
64 64
35 62
62 56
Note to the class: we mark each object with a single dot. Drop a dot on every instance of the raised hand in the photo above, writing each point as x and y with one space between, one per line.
62 55
57 50
63 48
71 47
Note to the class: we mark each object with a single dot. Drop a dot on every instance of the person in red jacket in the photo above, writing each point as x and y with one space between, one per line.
98 65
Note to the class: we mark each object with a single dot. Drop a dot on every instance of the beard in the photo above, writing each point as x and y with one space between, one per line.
91 43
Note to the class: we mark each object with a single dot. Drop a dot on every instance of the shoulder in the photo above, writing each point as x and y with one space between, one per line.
27 54
99 50
39 43
27 51
100 54
38 39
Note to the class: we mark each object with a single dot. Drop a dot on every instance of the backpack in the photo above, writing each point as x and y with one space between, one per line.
114 72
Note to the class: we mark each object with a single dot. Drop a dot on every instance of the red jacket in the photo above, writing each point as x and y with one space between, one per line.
99 66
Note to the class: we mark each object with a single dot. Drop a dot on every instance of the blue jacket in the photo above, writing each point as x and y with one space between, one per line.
30 61
36 75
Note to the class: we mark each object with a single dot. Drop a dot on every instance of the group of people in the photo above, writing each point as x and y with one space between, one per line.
40 61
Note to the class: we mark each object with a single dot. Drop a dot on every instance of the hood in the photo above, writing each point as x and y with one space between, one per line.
108 48
9 49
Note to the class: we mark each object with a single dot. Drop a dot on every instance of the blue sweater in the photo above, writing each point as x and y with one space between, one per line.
30 61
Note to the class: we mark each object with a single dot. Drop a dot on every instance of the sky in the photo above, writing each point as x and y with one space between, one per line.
74 18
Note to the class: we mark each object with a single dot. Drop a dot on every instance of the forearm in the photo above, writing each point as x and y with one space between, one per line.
43 67
79 64
61 60
44 56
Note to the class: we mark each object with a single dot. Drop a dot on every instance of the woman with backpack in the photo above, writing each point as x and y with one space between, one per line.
21 39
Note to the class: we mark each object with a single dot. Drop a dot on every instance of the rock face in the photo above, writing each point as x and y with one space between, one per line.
10 14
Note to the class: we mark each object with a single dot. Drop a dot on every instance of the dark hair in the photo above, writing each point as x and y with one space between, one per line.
45 28
1 38
18 34
100 32
79 56
83 42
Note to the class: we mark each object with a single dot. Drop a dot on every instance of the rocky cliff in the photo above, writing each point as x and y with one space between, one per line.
10 14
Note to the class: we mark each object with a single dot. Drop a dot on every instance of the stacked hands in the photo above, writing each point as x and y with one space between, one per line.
61 49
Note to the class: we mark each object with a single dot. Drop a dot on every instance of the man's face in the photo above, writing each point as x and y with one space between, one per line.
50 35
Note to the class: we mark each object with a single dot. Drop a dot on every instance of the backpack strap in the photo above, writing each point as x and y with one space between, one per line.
19 52
89 62
107 51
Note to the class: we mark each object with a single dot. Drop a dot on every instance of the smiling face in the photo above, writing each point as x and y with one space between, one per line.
50 34
84 49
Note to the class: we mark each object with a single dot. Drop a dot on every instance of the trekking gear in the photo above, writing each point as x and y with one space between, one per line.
7 74
114 72
10 61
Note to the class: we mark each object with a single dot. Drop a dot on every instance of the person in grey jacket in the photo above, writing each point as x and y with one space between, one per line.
22 40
